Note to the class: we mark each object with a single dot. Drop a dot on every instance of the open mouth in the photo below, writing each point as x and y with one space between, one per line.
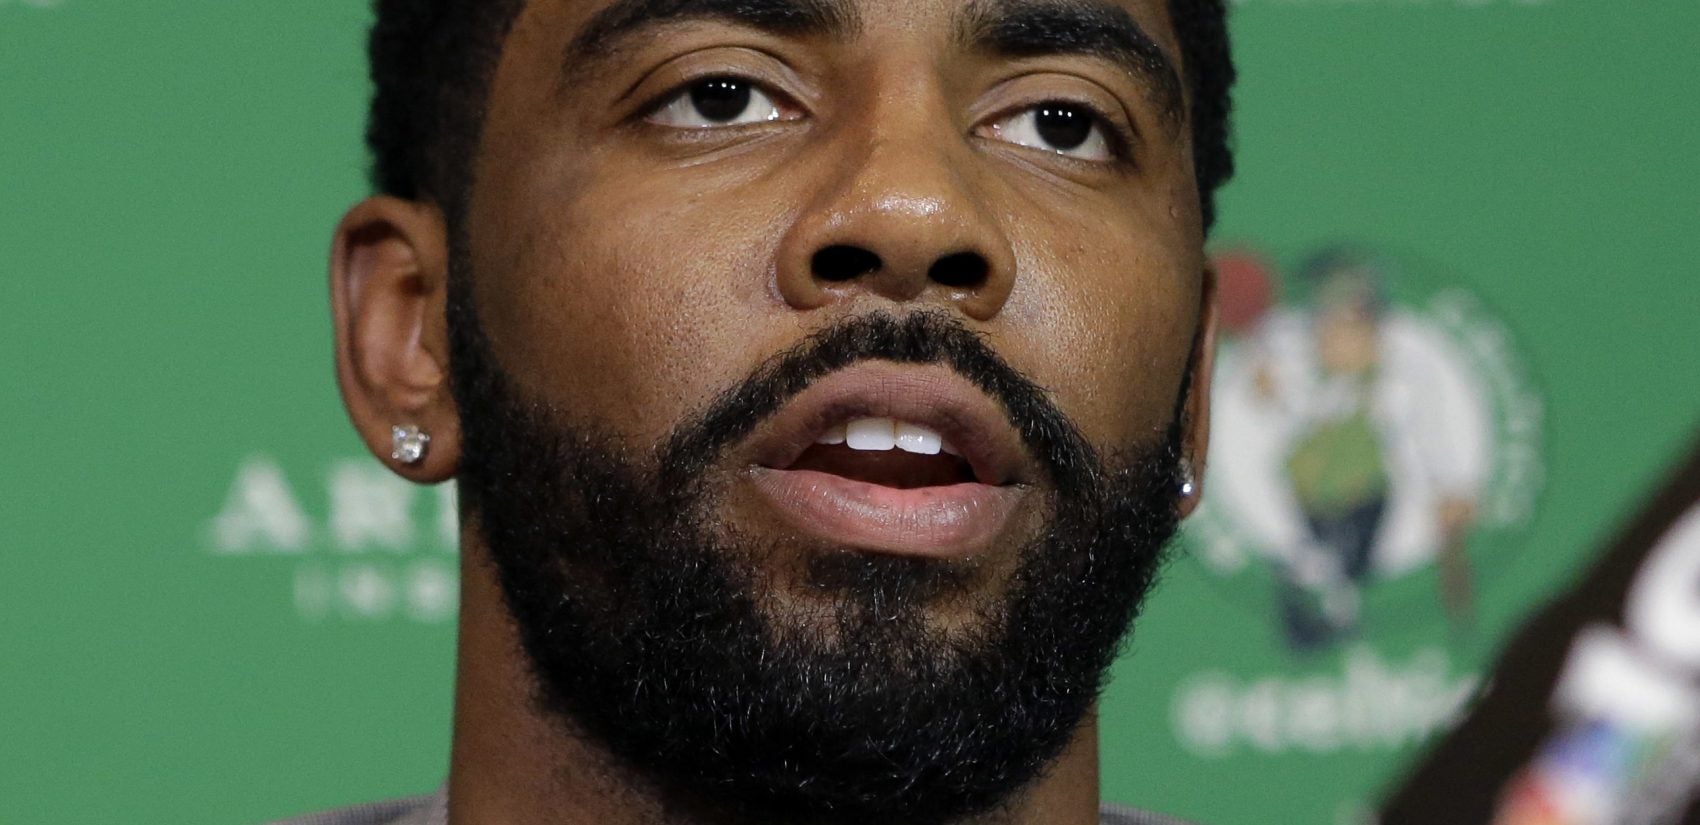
890 458
887 452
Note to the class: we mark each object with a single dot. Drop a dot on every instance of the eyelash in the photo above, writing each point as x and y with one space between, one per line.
683 89
1121 138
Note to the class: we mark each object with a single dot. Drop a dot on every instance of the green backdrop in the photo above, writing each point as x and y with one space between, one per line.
215 609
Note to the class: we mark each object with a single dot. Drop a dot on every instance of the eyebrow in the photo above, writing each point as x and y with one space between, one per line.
1032 28
625 19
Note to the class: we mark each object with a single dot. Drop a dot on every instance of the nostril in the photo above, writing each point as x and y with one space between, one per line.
842 263
963 270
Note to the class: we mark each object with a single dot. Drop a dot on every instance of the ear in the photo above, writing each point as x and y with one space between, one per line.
1195 440
389 280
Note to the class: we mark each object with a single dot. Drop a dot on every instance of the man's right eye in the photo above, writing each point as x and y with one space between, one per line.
718 101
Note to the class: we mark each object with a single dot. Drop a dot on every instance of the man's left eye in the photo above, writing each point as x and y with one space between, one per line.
1057 126
715 102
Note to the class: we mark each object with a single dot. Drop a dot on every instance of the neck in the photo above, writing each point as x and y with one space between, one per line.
513 762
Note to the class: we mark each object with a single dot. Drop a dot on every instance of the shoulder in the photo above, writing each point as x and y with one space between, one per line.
430 809
1112 814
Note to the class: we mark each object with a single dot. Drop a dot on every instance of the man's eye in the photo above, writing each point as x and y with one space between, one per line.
717 101
1057 126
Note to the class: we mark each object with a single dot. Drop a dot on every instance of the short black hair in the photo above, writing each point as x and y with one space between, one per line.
432 62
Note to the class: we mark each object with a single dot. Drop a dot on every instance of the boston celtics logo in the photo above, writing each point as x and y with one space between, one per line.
1375 445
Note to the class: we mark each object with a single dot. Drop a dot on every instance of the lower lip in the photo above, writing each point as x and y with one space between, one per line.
955 521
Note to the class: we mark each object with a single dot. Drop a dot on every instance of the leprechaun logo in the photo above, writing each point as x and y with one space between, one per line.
1375 442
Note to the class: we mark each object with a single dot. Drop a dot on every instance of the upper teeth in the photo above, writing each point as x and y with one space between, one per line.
885 434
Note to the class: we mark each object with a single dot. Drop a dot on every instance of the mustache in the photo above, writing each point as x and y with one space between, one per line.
921 337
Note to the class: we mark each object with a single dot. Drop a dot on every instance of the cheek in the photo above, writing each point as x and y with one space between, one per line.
1112 312
629 302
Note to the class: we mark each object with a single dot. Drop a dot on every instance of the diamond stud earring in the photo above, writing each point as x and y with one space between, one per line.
1188 485
408 444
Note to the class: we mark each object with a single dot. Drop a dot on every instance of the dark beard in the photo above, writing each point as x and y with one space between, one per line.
650 627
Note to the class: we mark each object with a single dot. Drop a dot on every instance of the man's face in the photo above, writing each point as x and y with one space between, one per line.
634 263
645 233
708 242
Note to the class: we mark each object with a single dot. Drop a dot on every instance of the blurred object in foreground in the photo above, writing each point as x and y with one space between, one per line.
1592 716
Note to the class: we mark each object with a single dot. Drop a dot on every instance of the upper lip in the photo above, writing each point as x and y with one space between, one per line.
934 397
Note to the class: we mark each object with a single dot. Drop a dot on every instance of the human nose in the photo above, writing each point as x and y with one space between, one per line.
898 217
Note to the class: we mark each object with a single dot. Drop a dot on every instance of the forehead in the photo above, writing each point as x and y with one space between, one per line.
1142 29
1151 12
